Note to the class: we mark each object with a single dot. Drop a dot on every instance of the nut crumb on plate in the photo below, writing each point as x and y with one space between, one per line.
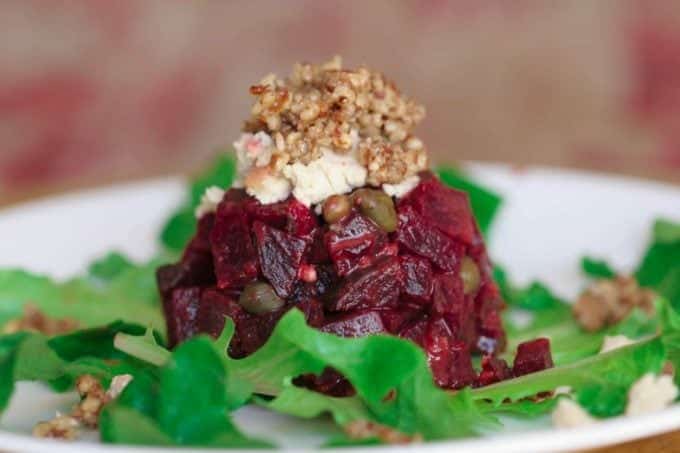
86 413
607 302
34 319
364 429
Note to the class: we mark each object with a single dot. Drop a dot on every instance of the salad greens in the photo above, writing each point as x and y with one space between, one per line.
188 396
114 289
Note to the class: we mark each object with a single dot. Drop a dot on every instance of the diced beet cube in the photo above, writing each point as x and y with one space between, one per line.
317 253
350 239
449 359
462 372
196 267
254 330
329 382
493 370
415 330
180 314
215 305
301 220
491 326
275 215
280 256
445 208
532 356
356 324
372 287
426 241
395 319
233 252
313 311
417 278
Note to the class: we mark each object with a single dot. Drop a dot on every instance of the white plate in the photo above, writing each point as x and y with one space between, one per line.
550 218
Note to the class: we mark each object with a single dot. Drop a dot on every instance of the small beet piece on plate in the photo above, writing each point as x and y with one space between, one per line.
532 356
494 370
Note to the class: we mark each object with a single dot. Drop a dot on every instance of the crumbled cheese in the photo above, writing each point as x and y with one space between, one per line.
563 390
253 150
209 201
402 188
268 188
651 393
615 342
569 414
328 175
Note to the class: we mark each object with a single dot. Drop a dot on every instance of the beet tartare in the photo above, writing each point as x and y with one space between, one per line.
334 212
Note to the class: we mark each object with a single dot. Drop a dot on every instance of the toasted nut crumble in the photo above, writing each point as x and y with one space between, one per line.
61 427
33 319
327 107
363 429
607 302
86 412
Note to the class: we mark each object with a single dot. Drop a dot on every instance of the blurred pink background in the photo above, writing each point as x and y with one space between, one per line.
93 91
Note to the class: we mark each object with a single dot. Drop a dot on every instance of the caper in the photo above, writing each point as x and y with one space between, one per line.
336 207
469 273
377 206
259 298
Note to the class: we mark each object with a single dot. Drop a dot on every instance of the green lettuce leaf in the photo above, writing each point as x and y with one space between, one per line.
181 225
186 405
614 372
485 203
660 264
597 268
61 359
115 289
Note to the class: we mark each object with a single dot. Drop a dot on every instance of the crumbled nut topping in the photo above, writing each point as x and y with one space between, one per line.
93 398
608 302
363 429
60 427
327 107
86 412
33 319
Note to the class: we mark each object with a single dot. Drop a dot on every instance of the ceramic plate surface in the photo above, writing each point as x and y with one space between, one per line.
549 219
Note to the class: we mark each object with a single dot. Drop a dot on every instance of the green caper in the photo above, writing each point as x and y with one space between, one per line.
259 298
377 206
336 207
469 273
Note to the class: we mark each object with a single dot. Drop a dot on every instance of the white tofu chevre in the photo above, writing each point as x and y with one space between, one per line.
569 414
331 174
611 343
651 393
209 201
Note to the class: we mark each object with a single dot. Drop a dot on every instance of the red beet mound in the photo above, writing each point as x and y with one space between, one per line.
350 278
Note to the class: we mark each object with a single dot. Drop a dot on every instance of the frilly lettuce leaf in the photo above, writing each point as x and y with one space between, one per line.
115 289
